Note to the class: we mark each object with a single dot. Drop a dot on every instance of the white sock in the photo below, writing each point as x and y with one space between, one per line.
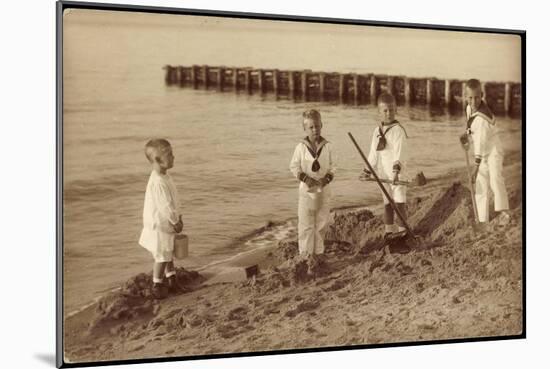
157 280
400 229
169 274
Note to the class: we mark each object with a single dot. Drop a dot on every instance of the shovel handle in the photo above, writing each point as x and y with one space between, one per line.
472 189
404 183
388 197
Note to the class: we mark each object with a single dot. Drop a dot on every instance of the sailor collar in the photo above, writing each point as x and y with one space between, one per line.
484 112
315 166
309 146
395 121
387 127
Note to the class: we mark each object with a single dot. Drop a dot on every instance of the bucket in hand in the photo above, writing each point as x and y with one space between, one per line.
181 246
316 196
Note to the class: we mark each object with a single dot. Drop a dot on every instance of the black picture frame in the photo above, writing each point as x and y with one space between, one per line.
64 5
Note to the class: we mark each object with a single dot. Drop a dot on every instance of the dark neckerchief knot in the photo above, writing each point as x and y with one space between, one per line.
315 166
382 142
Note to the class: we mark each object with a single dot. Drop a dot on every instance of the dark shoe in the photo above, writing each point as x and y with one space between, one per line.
399 248
317 265
399 235
398 244
175 287
504 218
385 240
159 291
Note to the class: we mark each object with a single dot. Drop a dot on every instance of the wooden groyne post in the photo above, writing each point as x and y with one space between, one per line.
235 78
356 91
205 76
447 92
429 93
193 75
372 91
507 96
322 86
346 88
261 79
291 84
247 85
342 90
304 84
276 82
407 90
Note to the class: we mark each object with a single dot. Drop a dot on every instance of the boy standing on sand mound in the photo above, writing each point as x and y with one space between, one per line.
387 156
161 217
482 133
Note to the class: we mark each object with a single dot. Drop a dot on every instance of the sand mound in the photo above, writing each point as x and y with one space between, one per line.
306 269
437 218
134 299
440 216
273 279
351 227
287 249
293 271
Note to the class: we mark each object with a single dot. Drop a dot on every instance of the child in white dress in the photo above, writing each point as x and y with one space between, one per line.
161 217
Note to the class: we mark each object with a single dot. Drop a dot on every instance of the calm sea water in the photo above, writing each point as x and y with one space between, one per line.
232 150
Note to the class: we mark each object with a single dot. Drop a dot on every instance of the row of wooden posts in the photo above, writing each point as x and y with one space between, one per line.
349 88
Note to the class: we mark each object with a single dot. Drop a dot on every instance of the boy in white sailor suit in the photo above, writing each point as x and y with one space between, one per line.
313 165
387 156
482 133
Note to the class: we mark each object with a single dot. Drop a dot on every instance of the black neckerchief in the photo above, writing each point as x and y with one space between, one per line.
382 134
392 124
484 112
315 166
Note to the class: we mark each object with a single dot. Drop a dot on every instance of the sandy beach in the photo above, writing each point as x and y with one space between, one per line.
455 283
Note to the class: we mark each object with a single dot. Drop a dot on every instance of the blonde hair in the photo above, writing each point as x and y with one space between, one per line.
312 114
473 84
155 147
386 98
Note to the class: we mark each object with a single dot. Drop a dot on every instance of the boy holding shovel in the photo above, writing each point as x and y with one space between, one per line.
482 134
387 157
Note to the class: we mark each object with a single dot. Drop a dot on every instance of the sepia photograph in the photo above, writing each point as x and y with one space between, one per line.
238 184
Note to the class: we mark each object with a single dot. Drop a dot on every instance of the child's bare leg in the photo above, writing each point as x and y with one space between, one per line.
170 270
402 207
159 289
388 219
173 284
158 272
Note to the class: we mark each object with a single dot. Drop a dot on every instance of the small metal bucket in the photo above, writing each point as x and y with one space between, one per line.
181 246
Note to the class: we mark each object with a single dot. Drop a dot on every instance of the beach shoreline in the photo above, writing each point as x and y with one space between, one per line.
455 284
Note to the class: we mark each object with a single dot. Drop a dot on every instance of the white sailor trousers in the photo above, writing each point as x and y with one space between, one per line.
313 219
398 193
490 175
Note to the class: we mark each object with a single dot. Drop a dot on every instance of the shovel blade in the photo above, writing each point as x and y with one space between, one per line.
419 179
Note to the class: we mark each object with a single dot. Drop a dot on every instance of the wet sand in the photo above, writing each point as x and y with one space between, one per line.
455 283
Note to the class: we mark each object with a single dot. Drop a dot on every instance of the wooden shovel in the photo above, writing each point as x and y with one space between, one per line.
388 197
472 189
418 180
